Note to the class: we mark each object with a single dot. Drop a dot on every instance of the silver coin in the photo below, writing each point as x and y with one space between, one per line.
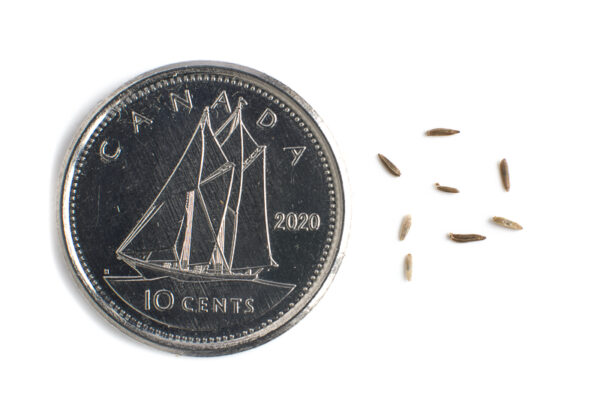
203 208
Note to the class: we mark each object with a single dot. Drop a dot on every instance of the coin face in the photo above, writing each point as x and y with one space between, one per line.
203 208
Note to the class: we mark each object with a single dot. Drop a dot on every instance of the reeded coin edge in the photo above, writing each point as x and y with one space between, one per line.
268 330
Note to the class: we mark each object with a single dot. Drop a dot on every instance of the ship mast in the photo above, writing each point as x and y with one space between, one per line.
187 239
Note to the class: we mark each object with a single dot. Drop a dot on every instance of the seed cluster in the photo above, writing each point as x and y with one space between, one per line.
456 237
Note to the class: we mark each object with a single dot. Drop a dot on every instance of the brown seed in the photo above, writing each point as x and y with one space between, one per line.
441 132
467 237
446 189
504 174
507 223
405 226
408 267
390 165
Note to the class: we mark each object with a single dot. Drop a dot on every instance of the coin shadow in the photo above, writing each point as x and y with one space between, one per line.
59 252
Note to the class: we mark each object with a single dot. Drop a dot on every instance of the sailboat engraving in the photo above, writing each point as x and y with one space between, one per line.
209 220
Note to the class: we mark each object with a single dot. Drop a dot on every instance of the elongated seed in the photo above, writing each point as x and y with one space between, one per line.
446 189
467 237
405 226
389 165
504 174
408 267
441 132
507 223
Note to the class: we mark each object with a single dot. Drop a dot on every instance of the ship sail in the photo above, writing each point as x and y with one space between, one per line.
255 249
180 228
210 217
248 243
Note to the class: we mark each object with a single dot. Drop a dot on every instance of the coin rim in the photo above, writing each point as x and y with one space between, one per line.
89 125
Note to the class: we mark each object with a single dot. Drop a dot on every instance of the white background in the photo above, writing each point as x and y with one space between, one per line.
515 316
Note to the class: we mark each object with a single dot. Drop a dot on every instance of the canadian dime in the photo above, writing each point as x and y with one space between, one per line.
203 208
